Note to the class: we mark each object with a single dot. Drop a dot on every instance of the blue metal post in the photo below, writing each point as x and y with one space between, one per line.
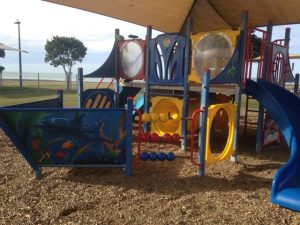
79 86
296 86
286 44
128 163
186 86
60 95
287 37
116 72
238 92
147 74
238 97
267 57
203 121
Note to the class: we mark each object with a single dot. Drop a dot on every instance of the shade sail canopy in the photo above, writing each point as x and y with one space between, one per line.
207 15
5 47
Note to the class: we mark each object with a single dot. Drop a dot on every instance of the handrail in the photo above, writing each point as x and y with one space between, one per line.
279 42
248 54
192 136
100 82
112 80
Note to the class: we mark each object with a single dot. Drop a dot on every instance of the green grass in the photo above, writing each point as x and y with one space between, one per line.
11 93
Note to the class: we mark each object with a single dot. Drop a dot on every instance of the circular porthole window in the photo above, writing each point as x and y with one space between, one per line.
213 51
278 68
132 59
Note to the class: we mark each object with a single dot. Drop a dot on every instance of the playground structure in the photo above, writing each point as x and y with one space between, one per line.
177 102
170 96
168 113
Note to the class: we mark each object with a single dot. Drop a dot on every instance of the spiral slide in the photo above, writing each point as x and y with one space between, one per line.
284 107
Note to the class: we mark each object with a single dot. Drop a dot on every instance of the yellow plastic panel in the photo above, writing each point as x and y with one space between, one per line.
230 109
211 50
169 111
166 106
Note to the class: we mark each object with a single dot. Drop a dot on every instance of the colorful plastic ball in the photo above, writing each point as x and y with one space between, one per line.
167 138
154 117
145 137
154 138
163 117
176 137
146 117
142 138
162 156
153 156
144 156
170 156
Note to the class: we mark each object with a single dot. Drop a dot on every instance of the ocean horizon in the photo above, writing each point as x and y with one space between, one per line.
11 75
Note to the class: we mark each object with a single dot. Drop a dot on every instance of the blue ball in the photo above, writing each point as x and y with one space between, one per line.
162 156
170 156
153 156
144 156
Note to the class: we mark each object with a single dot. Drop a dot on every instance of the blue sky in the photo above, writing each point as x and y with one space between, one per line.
41 20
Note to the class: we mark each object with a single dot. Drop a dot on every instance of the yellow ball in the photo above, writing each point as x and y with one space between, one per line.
163 117
175 117
146 117
154 117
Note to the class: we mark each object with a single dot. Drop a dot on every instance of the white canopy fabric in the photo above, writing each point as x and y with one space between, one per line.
5 47
207 15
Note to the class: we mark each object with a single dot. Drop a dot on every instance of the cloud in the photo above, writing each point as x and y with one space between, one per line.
41 20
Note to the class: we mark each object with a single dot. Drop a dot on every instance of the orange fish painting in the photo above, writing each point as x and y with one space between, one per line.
67 145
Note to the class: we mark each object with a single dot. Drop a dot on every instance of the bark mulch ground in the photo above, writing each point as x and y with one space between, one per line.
157 193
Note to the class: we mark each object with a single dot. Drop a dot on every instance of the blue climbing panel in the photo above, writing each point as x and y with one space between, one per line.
167 59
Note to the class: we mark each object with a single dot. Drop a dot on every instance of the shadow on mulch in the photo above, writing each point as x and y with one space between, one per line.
275 152
174 178
168 181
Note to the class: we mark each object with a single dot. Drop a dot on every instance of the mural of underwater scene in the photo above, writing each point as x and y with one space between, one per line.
70 137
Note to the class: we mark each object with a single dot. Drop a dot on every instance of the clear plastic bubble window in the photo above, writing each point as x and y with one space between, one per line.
131 56
213 52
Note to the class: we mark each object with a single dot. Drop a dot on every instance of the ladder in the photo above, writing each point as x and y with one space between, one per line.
251 114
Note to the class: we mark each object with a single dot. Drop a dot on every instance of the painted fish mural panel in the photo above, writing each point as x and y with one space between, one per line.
71 137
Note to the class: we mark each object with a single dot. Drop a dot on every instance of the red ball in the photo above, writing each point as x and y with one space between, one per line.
176 137
154 138
167 138
145 137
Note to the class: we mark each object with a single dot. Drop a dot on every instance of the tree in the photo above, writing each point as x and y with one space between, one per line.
65 52
256 46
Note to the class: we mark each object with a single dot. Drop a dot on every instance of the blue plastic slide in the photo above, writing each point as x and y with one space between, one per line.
284 107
